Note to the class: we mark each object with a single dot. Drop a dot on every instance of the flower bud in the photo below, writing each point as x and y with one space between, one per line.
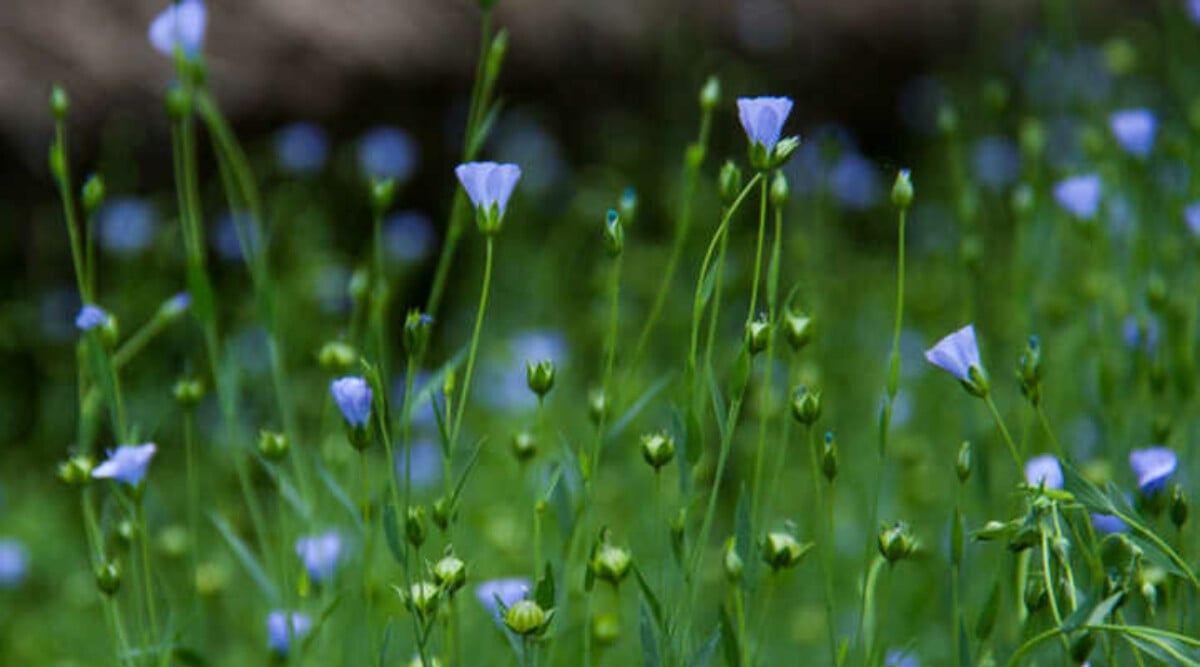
75 471
658 449
1029 371
108 578
383 194
524 446
188 392
414 526
962 466
337 357
443 513
710 94
110 331
784 149
614 233
1035 596
782 551
611 563
273 446
93 193
732 562
421 599
694 156
450 573
416 331
896 542
540 377
360 281
729 182
1179 507
829 457
60 103
806 405
797 328
779 190
606 628
179 102
598 407
526 617
57 161
627 205
758 334
902 190
1032 138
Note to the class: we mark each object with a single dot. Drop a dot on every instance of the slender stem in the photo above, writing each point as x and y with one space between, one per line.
63 180
483 297
148 581
610 357
758 248
764 416
193 493
369 529
1041 415
1012 447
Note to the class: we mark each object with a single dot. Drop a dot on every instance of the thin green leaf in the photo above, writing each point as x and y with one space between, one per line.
544 594
462 477
1084 491
640 404
704 655
718 401
651 598
339 494
391 531
1095 614
247 559
649 634
729 641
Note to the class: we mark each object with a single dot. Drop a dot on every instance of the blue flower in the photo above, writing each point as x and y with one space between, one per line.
227 237
175 306
763 119
278 636
387 152
854 182
1193 10
426 464
408 236
179 25
126 464
897 658
1152 466
995 162
126 225
320 554
1191 215
510 591
1134 130
1140 334
90 317
1044 471
488 184
302 148
14 563
1107 524
957 353
353 398
1079 195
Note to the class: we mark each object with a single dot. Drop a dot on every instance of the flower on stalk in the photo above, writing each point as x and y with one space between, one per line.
1134 130
90 317
353 398
658 449
540 377
320 554
902 189
1043 472
175 307
763 119
1152 466
283 627
416 331
614 233
1079 195
527 617
829 457
181 25
507 591
126 464
958 354
489 186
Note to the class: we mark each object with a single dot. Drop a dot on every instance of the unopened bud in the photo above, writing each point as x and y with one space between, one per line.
1179 506
797 328
758 334
178 102
416 331
450 573
526 617
962 467
902 190
540 377
108 578
188 392
272 445
524 446
337 357
710 94
729 182
421 599
93 193
732 562
782 551
658 449
806 405
779 190
611 563
614 233
598 407
75 471
383 194
60 103
829 457
443 513
1029 371
896 542
414 526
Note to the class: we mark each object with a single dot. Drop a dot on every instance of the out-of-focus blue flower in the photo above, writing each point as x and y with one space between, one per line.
995 162
1079 195
1106 524
126 225
854 182
897 658
1134 130
387 152
956 353
302 147
175 306
1140 334
520 139
426 464
90 317
488 183
763 118
1152 466
320 554
1193 10
180 24
278 636
510 591
1044 470
226 240
408 236
14 563
126 464
1191 214
353 397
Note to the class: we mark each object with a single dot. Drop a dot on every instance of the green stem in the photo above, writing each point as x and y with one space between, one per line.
610 357
148 581
193 493
764 416
1012 447
369 529
483 297
67 195
1041 415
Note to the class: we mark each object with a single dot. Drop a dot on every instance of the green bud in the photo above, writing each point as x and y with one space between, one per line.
58 161
110 331
273 446
729 182
902 190
60 103
782 551
829 457
421 599
614 233
416 331
526 617
108 578
1035 597
658 449
540 377
694 156
360 282
732 562
179 102
1120 56
896 542
710 94
779 190
611 563
962 466
524 446
443 513
173 541
76 471
383 194
758 334
606 628
1032 137
806 405
496 52
125 533
598 406
1179 507
627 206
797 328
188 392
784 148
450 573
337 357
1029 371
93 193
1119 554
414 526
977 383
1022 200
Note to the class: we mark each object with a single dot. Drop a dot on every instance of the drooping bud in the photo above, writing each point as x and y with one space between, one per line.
806 405
902 190
758 334
540 377
797 328
614 233
829 457
524 446
782 551
896 542
658 449
272 445
729 182
963 465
